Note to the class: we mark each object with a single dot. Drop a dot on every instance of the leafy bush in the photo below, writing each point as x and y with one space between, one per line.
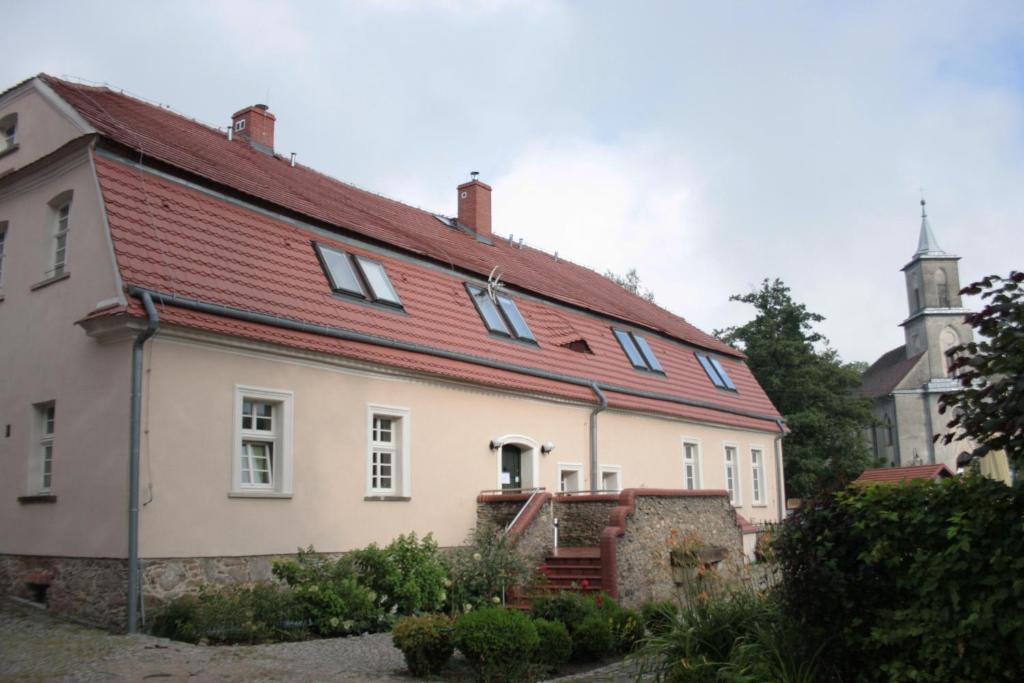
568 607
555 644
333 600
407 575
233 614
498 642
699 643
626 626
658 617
485 569
592 639
426 643
914 582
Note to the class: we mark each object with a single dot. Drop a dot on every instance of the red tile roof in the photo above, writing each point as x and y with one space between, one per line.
894 475
158 133
173 238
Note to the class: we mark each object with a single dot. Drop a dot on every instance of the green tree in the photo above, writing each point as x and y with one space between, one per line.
990 407
812 388
631 283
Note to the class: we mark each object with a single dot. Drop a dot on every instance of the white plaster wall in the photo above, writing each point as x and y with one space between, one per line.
41 128
44 356
188 452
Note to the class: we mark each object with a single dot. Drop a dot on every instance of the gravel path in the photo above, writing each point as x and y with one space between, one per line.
36 647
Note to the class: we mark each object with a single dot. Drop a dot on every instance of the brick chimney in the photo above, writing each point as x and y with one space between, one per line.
475 206
255 124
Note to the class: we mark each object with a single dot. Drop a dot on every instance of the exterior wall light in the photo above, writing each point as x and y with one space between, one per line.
547 448
495 444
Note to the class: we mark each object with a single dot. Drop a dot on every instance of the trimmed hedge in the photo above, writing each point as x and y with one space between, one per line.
498 643
426 643
918 582
555 646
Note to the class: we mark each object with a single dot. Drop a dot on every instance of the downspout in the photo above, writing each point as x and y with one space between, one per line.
779 472
602 405
133 461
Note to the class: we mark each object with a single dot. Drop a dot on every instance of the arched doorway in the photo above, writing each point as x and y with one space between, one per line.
511 467
517 466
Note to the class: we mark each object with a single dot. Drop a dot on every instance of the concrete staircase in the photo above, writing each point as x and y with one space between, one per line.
570 569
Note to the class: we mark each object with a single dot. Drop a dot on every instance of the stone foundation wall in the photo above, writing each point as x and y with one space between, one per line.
645 570
90 590
582 518
498 513
536 542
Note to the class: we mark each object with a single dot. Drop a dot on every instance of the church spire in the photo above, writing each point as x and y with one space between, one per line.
927 245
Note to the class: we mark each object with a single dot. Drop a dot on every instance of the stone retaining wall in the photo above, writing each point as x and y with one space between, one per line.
581 519
498 513
90 590
644 568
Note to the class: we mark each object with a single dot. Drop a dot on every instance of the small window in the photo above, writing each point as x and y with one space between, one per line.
757 470
732 479
8 132
46 421
716 372
691 465
570 477
3 243
240 124
501 317
638 351
611 478
262 458
60 217
387 466
357 276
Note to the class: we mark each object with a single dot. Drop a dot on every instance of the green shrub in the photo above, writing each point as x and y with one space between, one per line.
332 599
485 569
555 645
592 639
426 643
914 582
696 646
233 614
497 642
407 575
658 617
626 626
568 607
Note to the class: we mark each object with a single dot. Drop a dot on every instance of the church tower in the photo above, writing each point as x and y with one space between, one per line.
935 322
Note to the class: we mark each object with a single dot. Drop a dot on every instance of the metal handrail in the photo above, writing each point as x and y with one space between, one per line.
487 492
590 492
519 514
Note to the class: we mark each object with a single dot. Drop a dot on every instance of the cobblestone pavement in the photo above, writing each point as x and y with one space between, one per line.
36 647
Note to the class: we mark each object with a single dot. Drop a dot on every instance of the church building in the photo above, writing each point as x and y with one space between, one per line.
906 382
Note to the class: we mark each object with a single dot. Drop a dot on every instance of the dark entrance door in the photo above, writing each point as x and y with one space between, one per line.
511 467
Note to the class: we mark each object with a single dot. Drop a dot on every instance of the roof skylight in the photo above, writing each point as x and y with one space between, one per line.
716 373
638 351
502 318
357 276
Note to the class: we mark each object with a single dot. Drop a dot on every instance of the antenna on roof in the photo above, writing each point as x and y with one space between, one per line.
494 284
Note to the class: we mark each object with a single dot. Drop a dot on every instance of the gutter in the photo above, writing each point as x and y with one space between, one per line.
351 335
779 472
133 459
601 405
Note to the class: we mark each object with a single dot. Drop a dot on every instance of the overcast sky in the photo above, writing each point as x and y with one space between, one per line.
708 145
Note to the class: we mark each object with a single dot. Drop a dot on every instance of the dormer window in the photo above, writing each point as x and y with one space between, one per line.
8 132
500 314
716 372
638 351
357 276
240 125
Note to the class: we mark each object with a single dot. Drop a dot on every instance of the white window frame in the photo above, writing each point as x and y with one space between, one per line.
3 251
736 495
400 448
759 494
575 467
611 469
8 124
281 437
45 431
698 464
59 231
